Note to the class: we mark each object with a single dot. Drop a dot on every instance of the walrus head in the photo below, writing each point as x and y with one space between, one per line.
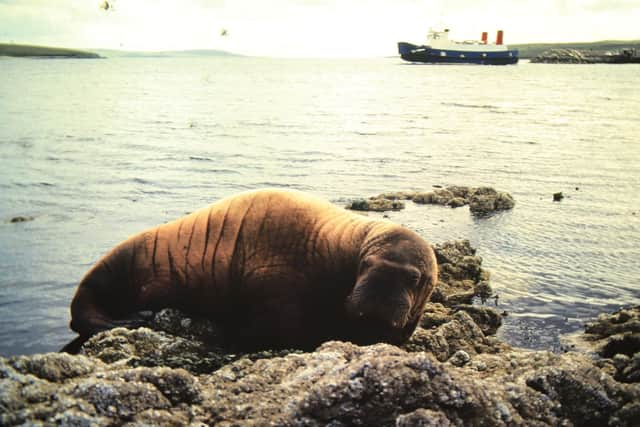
395 278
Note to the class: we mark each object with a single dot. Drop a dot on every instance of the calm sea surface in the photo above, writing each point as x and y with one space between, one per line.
95 150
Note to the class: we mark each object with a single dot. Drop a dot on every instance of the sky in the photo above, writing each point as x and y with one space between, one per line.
307 28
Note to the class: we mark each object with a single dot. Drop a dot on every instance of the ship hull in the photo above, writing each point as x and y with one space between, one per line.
414 53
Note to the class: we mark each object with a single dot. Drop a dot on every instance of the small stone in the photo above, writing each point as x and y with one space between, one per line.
17 219
480 366
457 202
460 358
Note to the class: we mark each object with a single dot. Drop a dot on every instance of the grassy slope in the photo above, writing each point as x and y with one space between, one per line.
530 50
20 50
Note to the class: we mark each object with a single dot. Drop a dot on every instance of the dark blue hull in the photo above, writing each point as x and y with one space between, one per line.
413 53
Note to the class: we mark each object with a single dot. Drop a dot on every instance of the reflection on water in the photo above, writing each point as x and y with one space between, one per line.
98 150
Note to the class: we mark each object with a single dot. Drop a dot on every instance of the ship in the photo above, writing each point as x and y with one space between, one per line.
440 50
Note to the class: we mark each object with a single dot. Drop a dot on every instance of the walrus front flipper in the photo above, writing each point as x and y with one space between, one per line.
73 347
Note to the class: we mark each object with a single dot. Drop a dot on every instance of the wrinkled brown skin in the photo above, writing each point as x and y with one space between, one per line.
274 268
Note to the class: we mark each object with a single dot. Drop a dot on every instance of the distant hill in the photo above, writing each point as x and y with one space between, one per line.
23 50
112 53
531 50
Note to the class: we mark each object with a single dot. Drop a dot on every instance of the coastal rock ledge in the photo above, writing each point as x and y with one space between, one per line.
452 372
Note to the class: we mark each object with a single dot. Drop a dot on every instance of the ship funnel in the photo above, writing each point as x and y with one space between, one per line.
500 36
485 37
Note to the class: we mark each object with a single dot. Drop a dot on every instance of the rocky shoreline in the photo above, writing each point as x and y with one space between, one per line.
453 371
578 56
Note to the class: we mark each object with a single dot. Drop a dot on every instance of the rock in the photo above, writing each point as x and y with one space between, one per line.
460 276
339 384
441 197
486 200
459 333
460 358
481 201
423 198
16 219
456 202
146 347
460 191
423 418
54 367
488 319
376 204
616 338
561 56
590 56
435 314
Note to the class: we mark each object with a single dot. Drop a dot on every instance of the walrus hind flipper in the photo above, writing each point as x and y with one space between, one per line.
90 325
134 320
73 347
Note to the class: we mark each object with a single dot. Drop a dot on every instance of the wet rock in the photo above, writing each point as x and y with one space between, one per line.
481 200
441 197
423 198
459 333
435 314
488 319
423 418
460 275
460 358
17 219
486 200
616 338
456 202
622 322
376 205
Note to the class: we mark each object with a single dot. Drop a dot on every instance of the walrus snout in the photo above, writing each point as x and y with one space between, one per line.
390 307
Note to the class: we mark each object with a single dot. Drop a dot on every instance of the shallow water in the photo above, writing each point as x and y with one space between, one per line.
96 150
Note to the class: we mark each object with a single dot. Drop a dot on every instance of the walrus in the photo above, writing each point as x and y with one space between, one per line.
273 268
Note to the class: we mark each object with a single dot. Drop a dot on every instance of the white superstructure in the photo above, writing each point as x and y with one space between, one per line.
440 40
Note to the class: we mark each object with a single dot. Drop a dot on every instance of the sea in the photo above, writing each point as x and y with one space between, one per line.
92 151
